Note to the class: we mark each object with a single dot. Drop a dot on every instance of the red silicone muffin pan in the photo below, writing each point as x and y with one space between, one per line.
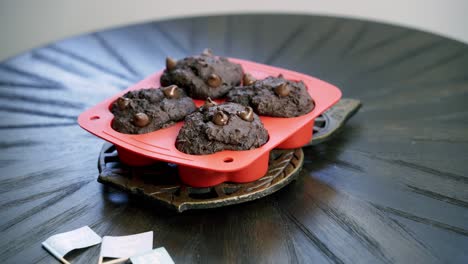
224 166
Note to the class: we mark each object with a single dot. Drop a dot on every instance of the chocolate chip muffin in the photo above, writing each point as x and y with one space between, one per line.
203 76
273 96
214 128
147 110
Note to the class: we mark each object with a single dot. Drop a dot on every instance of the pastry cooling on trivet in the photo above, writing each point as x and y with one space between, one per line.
273 96
147 110
214 128
203 76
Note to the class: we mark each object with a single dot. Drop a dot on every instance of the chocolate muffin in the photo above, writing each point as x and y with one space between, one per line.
203 76
147 110
273 96
214 128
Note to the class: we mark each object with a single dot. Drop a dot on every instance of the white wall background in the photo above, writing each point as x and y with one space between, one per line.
25 24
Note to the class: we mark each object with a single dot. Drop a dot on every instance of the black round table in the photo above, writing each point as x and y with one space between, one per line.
392 187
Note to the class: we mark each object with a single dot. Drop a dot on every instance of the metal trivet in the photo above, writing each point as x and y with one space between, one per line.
161 183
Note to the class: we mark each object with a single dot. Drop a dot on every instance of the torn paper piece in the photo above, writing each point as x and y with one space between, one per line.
126 246
59 245
156 256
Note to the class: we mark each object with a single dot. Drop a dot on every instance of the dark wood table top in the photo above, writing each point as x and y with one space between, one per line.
391 188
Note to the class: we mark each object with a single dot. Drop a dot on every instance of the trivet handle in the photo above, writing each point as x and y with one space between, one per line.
332 120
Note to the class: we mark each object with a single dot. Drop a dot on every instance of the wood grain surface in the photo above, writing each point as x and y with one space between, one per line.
391 188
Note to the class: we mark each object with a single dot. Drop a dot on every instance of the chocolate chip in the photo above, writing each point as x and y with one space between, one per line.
247 114
123 103
214 80
220 118
141 119
170 63
248 79
171 92
208 103
282 90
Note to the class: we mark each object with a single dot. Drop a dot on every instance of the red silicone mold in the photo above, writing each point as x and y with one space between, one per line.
213 169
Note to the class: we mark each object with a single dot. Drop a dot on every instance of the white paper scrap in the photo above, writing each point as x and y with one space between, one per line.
156 256
59 245
126 246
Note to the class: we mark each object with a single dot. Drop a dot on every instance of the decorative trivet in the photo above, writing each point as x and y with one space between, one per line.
161 183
